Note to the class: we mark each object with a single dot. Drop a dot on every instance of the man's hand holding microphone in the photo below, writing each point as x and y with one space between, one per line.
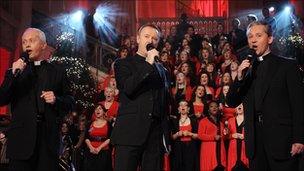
243 67
152 54
20 64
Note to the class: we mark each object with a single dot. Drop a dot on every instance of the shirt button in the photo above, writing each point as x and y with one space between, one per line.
150 114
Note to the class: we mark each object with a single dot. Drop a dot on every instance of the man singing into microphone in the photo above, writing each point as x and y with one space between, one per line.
38 95
140 134
272 94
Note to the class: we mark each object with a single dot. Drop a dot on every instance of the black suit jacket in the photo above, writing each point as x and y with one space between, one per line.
20 94
282 107
135 116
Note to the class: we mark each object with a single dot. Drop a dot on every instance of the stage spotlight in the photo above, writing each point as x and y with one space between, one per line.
287 9
78 15
104 18
271 9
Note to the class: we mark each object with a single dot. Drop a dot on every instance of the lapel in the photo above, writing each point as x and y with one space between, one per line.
270 72
161 71
45 73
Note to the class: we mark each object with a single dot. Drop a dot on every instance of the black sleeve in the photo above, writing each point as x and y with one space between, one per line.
65 101
6 89
296 98
194 124
238 91
128 82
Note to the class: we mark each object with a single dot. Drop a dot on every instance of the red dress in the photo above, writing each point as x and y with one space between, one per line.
232 150
198 108
206 131
112 111
98 135
228 112
185 128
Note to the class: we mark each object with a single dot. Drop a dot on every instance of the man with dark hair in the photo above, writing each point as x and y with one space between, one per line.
237 36
220 33
140 134
39 97
269 19
272 95
182 27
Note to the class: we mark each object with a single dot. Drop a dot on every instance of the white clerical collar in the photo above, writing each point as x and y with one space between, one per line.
37 63
261 58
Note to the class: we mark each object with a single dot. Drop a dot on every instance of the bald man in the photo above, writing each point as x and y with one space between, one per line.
38 96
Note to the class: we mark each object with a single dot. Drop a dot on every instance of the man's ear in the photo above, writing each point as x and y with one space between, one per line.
270 39
44 45
137 38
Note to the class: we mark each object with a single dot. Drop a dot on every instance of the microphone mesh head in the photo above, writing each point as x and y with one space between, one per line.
25 56
149 46
251 54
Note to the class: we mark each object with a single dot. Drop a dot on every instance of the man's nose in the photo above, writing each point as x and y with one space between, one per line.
150 40
253 40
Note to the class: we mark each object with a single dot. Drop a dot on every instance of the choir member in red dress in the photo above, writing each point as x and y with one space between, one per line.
110 81
184 156
110 104
198 102
212 152
204 81
182 90
98 153
236 150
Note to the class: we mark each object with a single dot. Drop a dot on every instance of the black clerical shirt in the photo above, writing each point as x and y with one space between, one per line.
259 81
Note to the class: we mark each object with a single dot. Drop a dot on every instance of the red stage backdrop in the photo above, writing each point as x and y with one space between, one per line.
167 9
4 65
211 8
155 9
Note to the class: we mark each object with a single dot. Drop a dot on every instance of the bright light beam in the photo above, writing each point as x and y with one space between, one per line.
104 18
287 9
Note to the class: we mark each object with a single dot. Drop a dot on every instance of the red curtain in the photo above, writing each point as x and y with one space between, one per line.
298 5
155 9
211 8
4 65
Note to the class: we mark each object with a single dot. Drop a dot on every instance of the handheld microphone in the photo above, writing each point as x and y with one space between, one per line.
250 56
25 58
151 47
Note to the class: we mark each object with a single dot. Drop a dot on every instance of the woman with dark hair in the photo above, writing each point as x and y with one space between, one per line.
198 102
186 68
181 91
204 81
228 112
98 153
236 151
233 69
65 147
224 80
184 156
123 52
213 75
167 62
205 57
212 152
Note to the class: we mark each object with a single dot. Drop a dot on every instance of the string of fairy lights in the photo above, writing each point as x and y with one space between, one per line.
81 82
